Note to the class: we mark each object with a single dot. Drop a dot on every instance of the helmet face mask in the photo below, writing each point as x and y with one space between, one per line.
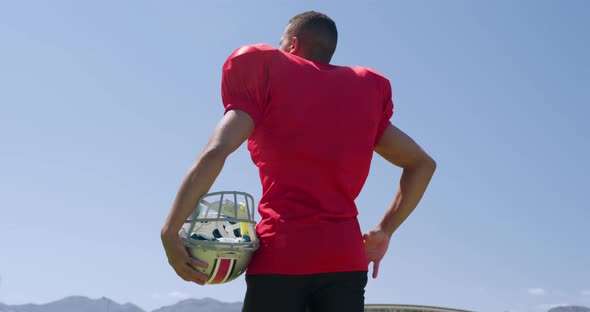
221 232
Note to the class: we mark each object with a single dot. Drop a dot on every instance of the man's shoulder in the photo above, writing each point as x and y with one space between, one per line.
368 72
250 57
254 50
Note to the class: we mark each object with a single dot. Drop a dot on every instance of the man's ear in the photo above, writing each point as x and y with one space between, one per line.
294 47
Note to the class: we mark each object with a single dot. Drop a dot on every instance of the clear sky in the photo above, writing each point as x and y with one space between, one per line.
104 105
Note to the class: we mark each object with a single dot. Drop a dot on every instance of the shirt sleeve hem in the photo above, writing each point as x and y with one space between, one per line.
382 127
254 115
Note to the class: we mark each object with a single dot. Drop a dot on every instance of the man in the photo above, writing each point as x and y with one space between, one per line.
312 128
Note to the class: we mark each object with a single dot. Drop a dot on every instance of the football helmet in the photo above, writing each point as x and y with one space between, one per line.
220 231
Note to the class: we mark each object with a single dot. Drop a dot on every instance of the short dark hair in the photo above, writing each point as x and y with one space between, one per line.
316 31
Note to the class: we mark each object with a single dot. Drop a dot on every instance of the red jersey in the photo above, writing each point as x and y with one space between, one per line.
316 126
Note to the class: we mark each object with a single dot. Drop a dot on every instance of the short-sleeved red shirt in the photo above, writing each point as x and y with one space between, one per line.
316 126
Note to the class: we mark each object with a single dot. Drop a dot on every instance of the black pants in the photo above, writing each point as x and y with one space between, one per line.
326 292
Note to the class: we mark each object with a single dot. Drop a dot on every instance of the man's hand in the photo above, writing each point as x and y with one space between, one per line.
181 262
400 150
376 244
233 129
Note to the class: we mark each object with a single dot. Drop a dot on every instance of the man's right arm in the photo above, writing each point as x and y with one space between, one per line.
418 167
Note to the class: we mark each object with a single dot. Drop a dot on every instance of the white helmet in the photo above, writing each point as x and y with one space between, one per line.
221 232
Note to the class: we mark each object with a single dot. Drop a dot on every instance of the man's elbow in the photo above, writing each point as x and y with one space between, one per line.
423 162
428 163
432 163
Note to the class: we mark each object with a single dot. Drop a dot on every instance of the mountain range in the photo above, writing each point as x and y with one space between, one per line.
570 309
84 304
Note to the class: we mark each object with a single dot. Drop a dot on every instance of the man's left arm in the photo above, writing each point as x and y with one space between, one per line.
233 129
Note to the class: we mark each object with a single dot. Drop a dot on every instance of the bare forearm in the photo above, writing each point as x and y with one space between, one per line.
413 184
197 183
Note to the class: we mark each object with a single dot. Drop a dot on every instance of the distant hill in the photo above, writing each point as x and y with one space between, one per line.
74 304
84 304
570 309
204 305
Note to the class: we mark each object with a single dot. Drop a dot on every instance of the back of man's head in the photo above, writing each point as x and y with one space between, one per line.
316 33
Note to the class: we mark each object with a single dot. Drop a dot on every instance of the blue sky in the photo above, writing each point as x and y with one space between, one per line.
105 104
